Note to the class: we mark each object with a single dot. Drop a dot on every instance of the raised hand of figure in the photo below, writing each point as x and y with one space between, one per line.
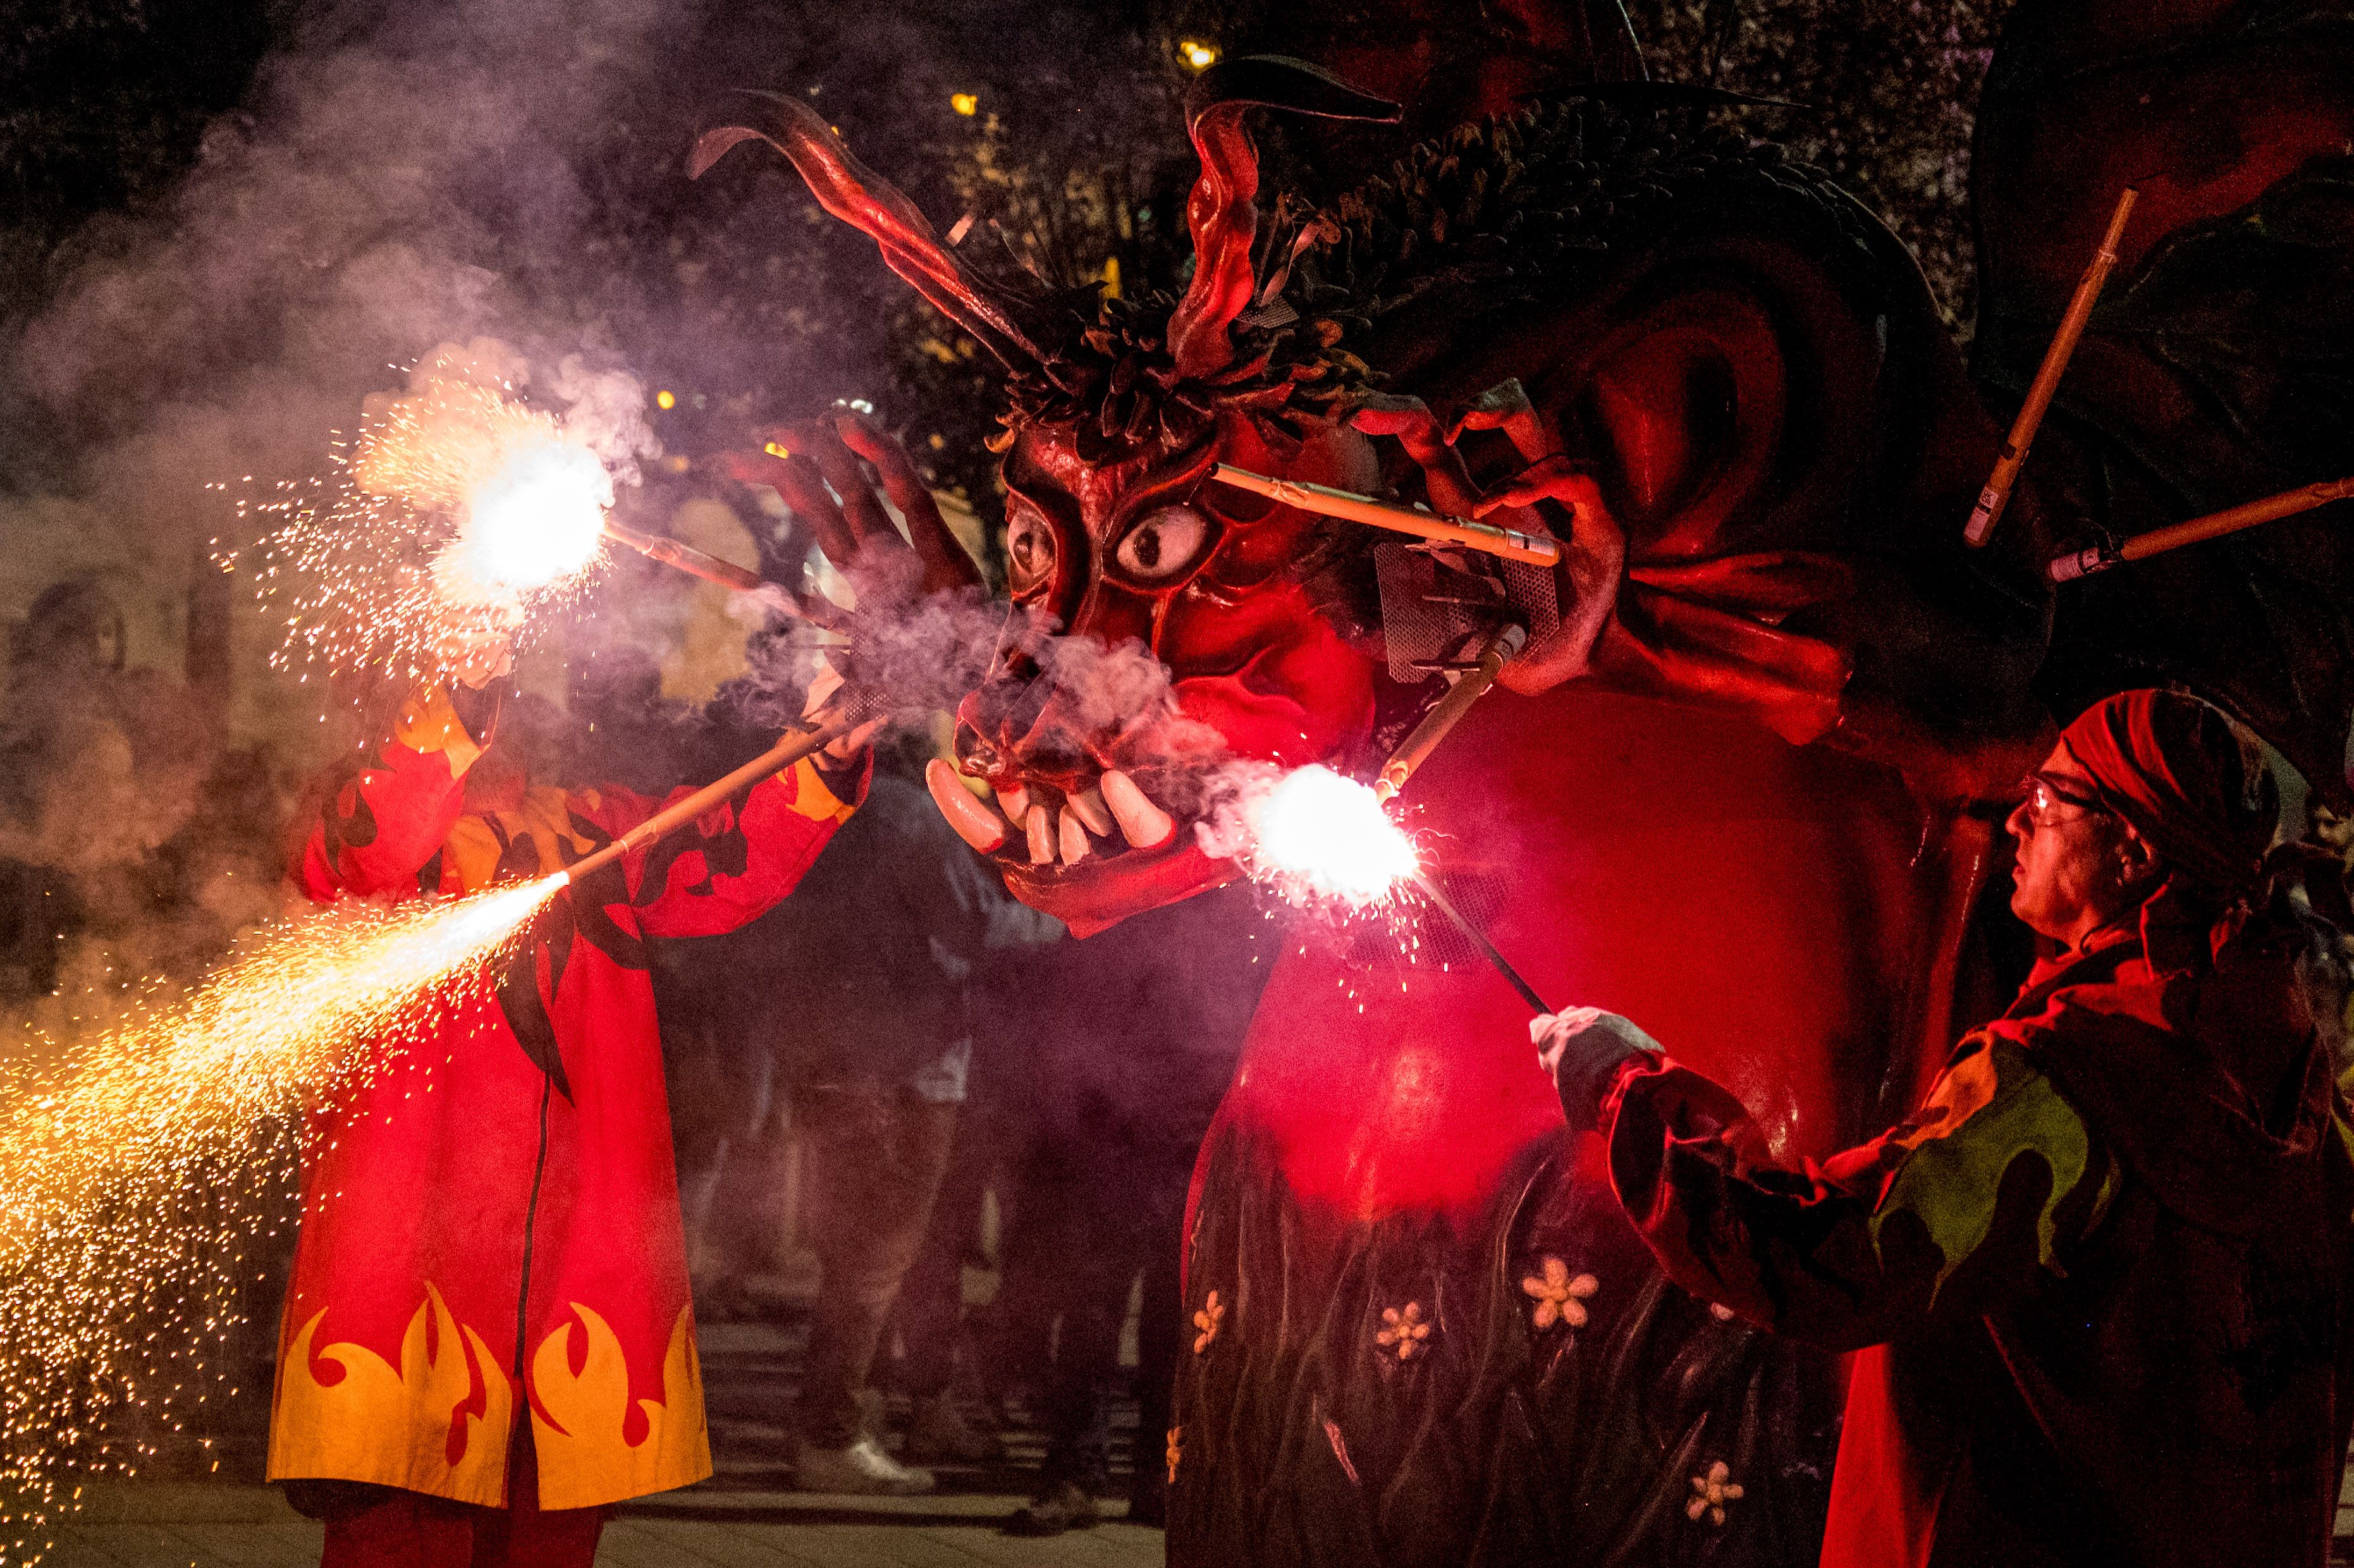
1594 555
839 471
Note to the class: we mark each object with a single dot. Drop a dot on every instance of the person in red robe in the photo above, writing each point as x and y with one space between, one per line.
487 1339
2098 1283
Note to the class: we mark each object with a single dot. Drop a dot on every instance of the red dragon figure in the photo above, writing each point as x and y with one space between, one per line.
1744 784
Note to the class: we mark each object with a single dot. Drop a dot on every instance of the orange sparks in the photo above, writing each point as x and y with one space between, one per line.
141 1165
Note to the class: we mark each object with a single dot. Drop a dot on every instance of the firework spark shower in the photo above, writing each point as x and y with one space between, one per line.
459 512
137 1169
1318 836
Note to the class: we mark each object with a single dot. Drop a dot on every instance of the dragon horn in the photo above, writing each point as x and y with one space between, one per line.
1223 211
871 203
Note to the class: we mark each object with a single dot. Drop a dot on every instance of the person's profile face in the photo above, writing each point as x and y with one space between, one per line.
2066 872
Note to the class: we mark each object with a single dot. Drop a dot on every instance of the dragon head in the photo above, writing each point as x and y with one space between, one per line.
1114 538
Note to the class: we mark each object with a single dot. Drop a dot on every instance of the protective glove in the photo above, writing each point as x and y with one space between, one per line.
1581 1049
820 708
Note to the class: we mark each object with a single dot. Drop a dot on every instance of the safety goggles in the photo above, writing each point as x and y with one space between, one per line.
2044 795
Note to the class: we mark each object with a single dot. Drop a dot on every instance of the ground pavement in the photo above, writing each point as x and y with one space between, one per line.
746 1516
743 1516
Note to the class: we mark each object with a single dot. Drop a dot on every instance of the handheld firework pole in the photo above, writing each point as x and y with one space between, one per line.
1478 939
1335 836
727 574
686 558
1449 710
1487 538
790 748
1997 494
1416 750
2215 526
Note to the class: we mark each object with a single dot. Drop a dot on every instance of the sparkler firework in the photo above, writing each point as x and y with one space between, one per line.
1320 839
140 1167
1317 836
455 516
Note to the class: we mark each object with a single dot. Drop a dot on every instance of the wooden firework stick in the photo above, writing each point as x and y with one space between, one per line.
1449 710
790 748
1509 543
686 558
727 574
1997 494
2215 526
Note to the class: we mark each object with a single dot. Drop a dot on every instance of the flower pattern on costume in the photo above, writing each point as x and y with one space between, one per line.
1176 1438
1404 1330
1711 1492
1560 1297
1213 1313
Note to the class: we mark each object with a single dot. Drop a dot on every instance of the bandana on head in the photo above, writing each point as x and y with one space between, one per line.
2192 784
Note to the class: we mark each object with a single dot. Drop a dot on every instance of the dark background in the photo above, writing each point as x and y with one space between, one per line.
737 293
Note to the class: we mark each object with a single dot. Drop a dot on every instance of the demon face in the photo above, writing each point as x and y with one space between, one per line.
1179 617
1144 552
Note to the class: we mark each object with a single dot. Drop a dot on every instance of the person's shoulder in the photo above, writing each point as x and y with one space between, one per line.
1995 1079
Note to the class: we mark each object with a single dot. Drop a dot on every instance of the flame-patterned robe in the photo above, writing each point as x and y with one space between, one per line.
492 1224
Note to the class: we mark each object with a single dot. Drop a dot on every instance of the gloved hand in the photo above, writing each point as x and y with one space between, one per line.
1580 1049
820 708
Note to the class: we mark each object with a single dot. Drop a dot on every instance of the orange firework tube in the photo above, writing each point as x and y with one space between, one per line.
1997 494
1509 543
2215 526
1449 710
790 748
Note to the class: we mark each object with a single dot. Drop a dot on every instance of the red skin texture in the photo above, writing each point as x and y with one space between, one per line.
1248 657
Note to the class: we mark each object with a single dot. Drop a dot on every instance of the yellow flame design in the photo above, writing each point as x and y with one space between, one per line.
812 800
393 1427
576 1422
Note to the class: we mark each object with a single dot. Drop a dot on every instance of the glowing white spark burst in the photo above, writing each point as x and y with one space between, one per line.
457 513
1318 836
537 520
143 1165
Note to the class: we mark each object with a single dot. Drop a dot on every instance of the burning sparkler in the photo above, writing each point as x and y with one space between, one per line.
537 519
1320 838
456 514
1316 835
135 1169
460 514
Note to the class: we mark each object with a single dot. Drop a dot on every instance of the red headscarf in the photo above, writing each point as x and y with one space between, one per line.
2192 783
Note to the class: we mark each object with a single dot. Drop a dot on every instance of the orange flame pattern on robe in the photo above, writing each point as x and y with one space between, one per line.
420 1319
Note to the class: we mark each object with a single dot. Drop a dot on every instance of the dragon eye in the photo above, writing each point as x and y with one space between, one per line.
1164 545
1029 550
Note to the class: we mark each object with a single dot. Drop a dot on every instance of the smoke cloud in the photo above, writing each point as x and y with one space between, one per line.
399 178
